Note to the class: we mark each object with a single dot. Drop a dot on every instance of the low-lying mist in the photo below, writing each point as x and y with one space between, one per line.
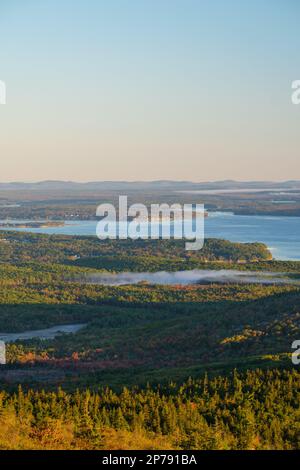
189 277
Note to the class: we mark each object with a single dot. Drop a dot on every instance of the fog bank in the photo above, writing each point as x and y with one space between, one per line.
190 277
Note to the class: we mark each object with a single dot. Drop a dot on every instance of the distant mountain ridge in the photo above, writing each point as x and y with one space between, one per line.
148 185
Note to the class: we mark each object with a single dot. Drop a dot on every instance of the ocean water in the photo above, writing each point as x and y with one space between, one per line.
280 234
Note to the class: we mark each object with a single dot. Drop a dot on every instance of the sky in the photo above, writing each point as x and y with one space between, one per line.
149 89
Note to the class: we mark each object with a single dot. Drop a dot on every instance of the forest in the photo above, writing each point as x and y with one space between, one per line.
204 365
255 410
16 247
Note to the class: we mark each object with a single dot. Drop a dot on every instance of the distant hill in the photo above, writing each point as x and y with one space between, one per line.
148 185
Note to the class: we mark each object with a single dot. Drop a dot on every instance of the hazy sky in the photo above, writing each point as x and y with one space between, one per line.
149 89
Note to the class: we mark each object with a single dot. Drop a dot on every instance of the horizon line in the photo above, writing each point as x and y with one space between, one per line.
148 181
